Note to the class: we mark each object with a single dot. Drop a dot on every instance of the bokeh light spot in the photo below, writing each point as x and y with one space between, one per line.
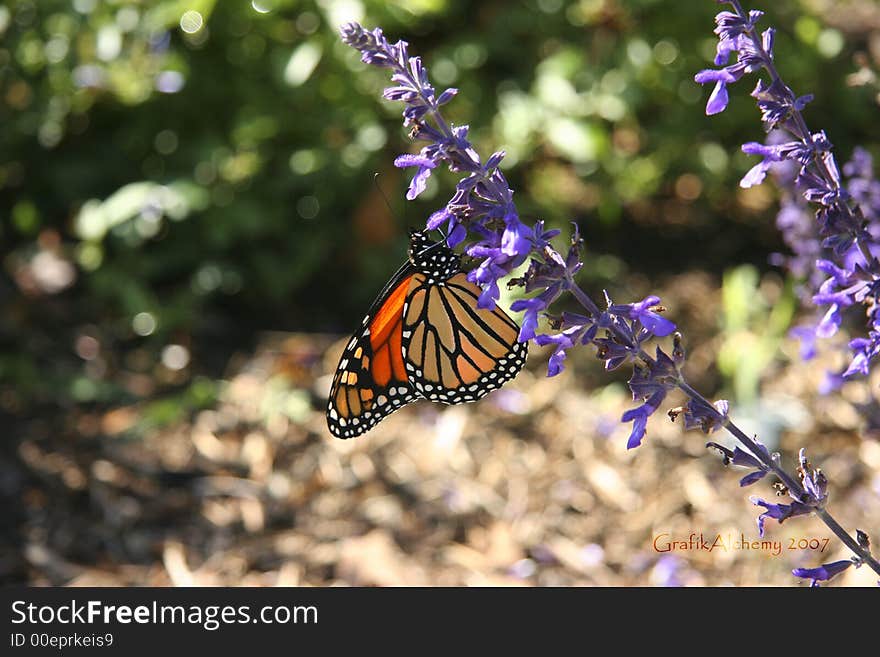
169 82
308 207
688 187
143 324
261 6
191 22
665 52
166 142
175 357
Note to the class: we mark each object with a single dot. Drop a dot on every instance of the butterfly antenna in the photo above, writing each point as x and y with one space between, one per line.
391 210
383 195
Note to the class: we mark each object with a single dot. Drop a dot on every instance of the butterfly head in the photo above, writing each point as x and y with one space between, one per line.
434 259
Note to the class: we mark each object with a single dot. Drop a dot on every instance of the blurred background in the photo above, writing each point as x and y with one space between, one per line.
191 228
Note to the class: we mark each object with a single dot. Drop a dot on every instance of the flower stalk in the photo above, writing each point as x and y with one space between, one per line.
483 210
850 274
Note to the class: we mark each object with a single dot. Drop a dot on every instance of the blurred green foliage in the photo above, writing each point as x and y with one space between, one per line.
185 172
754 322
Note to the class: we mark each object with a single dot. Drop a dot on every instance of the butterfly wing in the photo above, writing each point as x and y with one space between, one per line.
454 351
371 379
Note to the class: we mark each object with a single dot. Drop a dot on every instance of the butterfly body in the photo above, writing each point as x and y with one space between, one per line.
424 337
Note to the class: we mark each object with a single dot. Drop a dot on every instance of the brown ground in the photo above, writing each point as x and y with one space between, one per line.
532 486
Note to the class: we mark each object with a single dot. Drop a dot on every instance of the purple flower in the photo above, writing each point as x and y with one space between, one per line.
745 459
516 240
814 495
772 153
530 309
864 351
752 478
561 341
455 232
801 234
482 194
831 382
500 254
639 417
822 186
420 180
829 323
863 187
780 512
373 46
718 99
844 288
757 173
814 481
548 272
658 374
778 103
540 238
729 27
807 336
486 276
824 572
483 202
650 382
843 242
644 313
707 419
733 31
740 457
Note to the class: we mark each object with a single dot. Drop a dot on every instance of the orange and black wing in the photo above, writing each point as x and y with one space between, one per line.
453 350
371 380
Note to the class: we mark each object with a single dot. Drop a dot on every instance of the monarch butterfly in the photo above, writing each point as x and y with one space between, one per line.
424 337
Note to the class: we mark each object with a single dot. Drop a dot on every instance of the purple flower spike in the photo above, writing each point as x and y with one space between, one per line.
844 234
732 29
481 196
